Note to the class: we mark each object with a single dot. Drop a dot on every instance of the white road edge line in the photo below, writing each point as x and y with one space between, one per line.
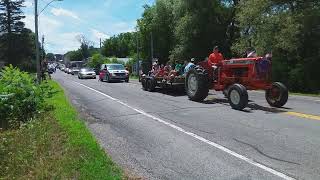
218 146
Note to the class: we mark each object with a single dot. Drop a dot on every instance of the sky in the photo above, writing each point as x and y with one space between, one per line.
63 21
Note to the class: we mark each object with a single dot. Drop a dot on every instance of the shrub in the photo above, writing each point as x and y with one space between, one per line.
21 98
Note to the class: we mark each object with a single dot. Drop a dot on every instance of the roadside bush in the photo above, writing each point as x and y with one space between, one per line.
21 98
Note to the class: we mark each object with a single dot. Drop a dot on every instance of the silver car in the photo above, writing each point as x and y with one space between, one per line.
86 73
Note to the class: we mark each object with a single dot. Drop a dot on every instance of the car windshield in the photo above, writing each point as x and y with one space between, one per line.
116 67
86 69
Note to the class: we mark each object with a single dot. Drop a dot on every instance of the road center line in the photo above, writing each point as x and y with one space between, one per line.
307 116
218 146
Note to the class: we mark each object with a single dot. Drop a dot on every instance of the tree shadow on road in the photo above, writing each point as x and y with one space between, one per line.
250 108
175 92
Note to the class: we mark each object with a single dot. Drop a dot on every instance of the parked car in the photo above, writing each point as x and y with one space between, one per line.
74 71
113 72
85 73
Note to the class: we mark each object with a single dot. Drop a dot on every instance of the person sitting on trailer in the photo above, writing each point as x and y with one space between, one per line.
167 70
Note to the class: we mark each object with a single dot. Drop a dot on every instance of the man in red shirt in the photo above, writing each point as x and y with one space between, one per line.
216 57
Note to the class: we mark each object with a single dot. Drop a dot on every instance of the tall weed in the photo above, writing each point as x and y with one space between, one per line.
21 98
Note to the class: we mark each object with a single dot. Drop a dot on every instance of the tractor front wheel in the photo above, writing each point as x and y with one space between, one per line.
196 84
278 95
238 97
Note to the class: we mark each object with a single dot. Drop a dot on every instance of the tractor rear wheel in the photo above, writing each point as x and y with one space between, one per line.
278 95
238 96
151 85
144 84
196 84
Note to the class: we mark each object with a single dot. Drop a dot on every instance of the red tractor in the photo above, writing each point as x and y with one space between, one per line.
234 77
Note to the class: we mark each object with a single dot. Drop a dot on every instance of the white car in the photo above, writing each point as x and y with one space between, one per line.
85 73
113 72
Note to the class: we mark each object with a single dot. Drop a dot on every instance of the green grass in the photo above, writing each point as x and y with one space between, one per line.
57 145
134 77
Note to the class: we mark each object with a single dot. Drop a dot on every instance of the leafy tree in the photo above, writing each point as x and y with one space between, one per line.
96 61
74 55
122 45
11 27
289 29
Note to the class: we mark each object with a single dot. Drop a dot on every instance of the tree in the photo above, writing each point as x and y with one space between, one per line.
11 27
74 55
122 45
85 44
96 61
50 57
288 28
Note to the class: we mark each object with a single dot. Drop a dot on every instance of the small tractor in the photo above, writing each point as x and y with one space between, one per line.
234 78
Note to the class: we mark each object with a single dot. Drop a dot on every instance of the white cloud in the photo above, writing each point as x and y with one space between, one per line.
64 12
121 27
97 34
45 23
61 43
54 40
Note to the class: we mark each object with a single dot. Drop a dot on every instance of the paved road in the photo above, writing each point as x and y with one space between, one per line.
163 135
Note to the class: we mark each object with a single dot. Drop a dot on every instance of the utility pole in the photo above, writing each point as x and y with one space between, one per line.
138 58
137 46
37 41
100 44
42 48
151 48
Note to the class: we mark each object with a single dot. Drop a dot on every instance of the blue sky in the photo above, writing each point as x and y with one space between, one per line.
62 22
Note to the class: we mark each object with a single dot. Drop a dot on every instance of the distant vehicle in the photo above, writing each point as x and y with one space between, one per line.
68 70
50 70
74 71
85 73
113 72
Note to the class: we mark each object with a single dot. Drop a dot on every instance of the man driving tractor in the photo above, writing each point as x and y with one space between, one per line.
214 59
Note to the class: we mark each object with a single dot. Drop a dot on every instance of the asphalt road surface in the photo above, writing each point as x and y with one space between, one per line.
163 135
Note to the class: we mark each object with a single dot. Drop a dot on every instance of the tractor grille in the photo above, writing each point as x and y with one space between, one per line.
263 69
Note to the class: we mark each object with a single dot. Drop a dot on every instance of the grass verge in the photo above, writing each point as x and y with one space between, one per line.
56 145
134 77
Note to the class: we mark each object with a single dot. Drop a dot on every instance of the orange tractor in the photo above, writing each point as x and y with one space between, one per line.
234 77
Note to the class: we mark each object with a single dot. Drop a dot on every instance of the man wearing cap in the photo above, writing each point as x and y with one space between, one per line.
189 66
